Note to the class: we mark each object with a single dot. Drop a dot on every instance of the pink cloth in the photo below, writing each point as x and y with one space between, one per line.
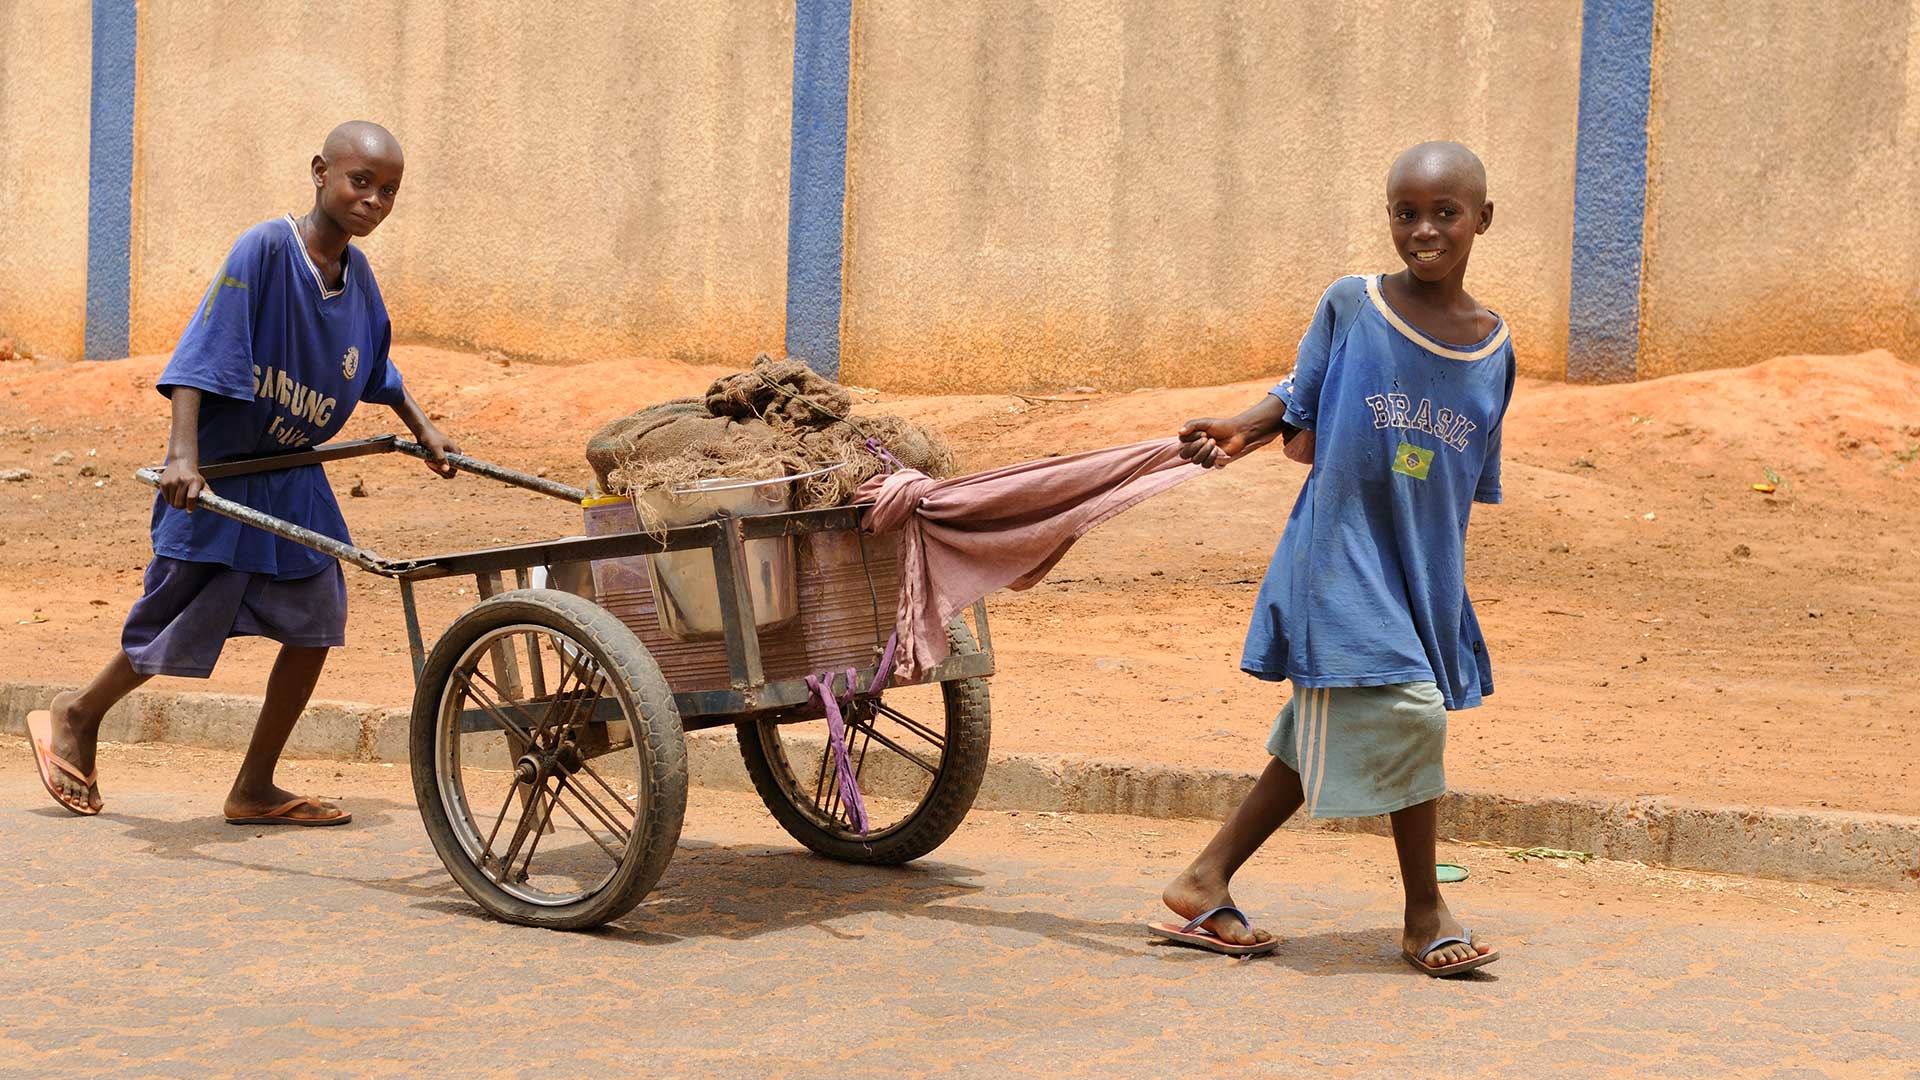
966 537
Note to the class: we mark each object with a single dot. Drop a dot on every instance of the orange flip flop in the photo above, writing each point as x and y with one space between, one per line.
1461 967
282 815
1199 937
40 733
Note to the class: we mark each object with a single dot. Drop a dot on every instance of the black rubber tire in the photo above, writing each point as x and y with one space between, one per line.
644 697
969 715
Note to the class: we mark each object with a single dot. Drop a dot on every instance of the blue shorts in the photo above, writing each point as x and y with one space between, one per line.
190 609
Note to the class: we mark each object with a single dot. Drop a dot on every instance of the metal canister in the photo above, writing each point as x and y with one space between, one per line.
686 588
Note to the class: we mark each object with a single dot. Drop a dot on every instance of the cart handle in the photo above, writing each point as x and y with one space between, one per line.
382 444
497 472
360 557
207 500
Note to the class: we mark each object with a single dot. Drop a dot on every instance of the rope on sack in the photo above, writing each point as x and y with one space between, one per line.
874 445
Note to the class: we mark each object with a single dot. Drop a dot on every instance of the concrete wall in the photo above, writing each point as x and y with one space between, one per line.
606 179
1133 193
45 72
1784 165
1036 194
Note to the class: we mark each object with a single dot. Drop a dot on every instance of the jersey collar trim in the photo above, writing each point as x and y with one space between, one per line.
1406 329
318 281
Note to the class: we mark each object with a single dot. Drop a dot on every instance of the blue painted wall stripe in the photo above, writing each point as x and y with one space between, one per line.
817 186
110 181
1610 190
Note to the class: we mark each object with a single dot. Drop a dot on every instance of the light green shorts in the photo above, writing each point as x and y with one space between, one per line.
1364 750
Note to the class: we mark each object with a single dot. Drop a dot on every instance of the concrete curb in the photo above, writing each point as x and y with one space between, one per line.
1869 850
342 730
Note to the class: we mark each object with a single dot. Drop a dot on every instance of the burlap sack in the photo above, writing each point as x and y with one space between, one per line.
774 419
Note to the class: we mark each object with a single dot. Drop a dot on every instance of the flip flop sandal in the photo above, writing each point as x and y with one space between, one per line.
40 734
1461 968
1194 935
282 815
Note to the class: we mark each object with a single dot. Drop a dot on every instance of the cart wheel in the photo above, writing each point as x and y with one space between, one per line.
548 760
919 758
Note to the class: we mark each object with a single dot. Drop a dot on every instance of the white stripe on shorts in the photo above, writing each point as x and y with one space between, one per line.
1303 753
1322 700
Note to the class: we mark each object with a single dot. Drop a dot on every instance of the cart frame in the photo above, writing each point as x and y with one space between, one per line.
750 694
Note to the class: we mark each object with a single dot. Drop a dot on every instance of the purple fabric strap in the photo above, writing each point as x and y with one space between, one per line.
822 686
884 672
893 464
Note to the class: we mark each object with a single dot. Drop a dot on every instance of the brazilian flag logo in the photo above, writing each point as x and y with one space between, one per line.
1411 460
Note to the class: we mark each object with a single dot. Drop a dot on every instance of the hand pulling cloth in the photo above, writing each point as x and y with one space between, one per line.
965 537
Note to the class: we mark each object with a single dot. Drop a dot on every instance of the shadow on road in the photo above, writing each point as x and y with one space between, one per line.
743 891
735 892
211 839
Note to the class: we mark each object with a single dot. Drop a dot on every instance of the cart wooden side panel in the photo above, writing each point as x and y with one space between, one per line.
844 619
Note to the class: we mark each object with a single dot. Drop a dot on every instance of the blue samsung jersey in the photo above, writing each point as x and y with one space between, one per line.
282 361
1368 585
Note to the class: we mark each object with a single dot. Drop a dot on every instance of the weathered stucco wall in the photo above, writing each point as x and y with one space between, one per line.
1129 193
1784 164
1112 192
608 179
45 74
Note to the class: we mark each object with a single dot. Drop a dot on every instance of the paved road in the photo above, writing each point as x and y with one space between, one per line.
157 941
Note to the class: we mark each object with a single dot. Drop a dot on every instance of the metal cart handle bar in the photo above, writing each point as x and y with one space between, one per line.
381 444
365 560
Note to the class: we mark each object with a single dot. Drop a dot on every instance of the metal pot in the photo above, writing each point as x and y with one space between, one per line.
686 588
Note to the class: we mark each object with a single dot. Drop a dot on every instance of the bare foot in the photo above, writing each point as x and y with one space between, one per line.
1427 923
1189 895
249 804
76 738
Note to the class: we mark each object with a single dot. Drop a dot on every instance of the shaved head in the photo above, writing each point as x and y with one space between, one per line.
356 177
1442 163
360 138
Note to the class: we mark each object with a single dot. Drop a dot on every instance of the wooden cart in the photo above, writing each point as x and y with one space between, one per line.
548 736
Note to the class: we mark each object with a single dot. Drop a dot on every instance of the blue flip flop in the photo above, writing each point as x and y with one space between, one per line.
1464 966
1193 934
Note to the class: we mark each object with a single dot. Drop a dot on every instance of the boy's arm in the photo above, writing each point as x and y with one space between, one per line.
180 479
1215 443
1288 411
430 438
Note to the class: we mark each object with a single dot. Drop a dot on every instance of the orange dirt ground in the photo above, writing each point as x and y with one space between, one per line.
1657 626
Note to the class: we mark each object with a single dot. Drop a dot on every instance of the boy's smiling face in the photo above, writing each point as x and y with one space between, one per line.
357 175
1436 204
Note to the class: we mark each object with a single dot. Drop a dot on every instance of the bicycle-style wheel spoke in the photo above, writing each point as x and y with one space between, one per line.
588 769
821 776
539 830
595 807
561 706
937 740
866 728
486 850
529 817
591 835
492 708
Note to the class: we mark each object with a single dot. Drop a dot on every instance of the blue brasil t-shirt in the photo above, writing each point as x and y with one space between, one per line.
1368 584
282 361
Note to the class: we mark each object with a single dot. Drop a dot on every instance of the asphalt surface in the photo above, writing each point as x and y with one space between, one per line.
156 940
